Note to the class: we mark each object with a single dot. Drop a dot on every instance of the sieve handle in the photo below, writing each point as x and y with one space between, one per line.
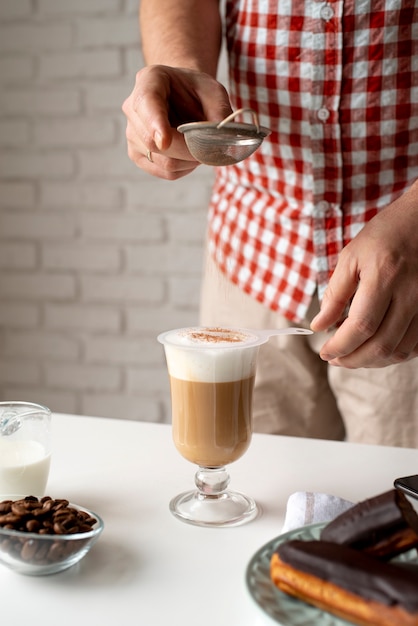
238 112
284 331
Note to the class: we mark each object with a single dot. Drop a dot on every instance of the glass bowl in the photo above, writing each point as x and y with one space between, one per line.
36 555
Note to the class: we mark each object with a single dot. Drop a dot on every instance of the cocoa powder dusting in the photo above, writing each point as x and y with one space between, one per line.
217 335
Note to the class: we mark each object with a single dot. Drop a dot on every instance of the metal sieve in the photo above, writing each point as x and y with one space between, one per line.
226 142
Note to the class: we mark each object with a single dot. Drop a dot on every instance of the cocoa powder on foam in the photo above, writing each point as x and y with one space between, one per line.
217 335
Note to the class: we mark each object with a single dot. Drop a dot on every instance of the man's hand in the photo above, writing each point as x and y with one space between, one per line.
162 99
378 273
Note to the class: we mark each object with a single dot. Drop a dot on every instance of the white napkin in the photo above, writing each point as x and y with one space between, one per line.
306 507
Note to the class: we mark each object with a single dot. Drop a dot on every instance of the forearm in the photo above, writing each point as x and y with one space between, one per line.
181 33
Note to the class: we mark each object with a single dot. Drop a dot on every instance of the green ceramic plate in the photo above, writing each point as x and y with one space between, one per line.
282 608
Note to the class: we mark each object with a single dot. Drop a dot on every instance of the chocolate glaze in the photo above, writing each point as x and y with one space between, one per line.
354 571
372 520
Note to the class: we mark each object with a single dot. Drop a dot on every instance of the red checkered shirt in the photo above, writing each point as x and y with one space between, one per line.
337 83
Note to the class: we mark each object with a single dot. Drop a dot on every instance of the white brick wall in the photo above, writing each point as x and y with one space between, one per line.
96 258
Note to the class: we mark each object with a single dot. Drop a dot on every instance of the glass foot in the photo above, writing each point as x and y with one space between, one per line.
213 506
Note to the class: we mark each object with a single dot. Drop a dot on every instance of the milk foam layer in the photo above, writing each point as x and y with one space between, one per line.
210 354
210 337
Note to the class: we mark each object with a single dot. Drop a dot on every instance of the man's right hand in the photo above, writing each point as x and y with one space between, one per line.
163 98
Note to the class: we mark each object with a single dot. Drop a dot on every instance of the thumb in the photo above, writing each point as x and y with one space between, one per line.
336 300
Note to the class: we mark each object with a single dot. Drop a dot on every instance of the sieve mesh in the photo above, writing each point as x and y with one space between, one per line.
225 142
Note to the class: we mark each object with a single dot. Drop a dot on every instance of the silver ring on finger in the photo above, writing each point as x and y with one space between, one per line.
149 156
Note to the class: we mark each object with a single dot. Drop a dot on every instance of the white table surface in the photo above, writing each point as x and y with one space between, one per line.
149 568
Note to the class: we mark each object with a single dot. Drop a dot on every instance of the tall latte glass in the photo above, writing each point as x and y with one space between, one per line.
212 373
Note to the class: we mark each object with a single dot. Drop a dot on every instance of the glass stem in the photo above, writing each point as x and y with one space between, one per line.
211 481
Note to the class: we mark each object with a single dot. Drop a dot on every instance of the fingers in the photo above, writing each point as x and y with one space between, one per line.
161 165
376 281
172 164
380 329
161 100
407 348
146 110
341 288
379 351
367 310
152 144
395 341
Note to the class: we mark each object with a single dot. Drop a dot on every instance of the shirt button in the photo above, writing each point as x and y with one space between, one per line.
322 207
326 12
323 114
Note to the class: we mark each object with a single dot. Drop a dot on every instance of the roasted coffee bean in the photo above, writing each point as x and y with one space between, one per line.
33 526
42 551
47 504
29 549
44 516
9 518
63 513
84 528
20 509
60 504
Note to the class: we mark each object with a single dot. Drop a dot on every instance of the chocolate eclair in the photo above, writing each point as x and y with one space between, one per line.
384 526
347 582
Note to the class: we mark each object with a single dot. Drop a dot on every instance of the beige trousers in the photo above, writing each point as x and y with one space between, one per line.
296 393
